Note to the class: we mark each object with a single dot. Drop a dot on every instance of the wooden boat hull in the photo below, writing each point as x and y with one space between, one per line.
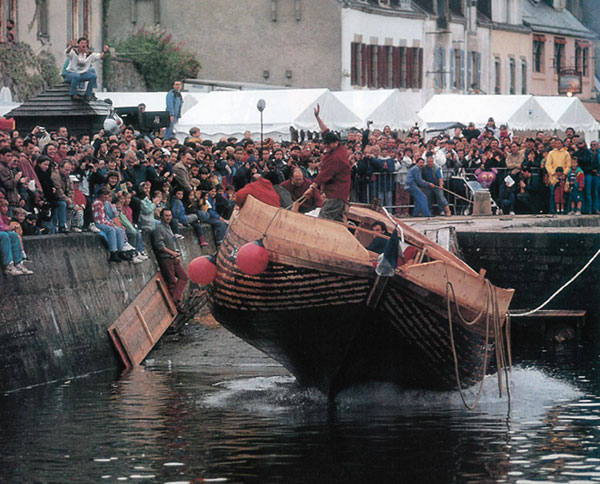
324 327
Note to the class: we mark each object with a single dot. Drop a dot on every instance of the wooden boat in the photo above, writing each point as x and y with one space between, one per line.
322 312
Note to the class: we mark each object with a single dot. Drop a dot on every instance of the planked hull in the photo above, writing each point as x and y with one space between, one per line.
325 329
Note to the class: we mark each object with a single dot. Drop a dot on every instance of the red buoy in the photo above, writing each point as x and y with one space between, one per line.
252 258
202 270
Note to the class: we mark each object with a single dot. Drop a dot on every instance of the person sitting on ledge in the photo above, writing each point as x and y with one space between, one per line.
80 67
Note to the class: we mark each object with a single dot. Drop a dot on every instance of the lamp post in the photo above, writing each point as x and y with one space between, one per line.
261 107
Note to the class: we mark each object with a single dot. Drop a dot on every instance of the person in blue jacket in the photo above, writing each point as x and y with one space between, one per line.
415 184
174 103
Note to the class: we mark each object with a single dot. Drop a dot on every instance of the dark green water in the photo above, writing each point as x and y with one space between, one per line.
173 423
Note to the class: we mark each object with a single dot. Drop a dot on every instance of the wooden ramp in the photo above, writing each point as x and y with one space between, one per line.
143 322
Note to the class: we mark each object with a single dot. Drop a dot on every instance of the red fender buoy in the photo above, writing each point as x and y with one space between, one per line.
253 258
202 270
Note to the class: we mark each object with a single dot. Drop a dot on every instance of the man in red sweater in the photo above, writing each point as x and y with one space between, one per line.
334 175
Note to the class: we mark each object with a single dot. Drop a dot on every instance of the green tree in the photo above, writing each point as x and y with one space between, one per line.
158 58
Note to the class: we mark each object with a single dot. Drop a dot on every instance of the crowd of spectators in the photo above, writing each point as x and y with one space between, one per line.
117 184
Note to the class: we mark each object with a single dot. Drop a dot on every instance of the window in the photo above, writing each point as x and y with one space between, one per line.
497 76
559 53
512 76
538 53
42 20
457 69
474 71
78 18
380 66
523 76
582 54
8 11
439 68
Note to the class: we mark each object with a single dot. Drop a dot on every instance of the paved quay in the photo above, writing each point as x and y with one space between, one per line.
512 223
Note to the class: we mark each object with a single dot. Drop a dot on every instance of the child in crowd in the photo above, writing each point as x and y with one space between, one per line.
79 204
559 190
576 181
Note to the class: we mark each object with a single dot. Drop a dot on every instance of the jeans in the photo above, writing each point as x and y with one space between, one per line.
192 220
421 206
77 219
508 204
59 216
219 228
587 195
10 248
552 202
74 79
436 195
115 236
135 239
595 194
169 131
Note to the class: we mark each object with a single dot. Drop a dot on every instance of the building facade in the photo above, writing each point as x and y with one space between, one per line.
49 24
562 50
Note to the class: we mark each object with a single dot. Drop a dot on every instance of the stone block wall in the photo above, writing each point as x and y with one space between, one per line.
537 262
53 324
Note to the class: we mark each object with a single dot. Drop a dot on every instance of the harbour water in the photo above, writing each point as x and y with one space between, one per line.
208 408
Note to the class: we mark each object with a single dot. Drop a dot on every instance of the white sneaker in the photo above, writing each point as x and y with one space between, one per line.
76 229
21 267
127 247
11 270
137 259
179 236
92 228
143 256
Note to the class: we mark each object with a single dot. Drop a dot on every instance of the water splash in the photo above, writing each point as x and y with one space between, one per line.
532 392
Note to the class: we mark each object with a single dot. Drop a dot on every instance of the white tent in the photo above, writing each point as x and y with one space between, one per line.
384 107
5 107
154 101
221 114
568 112
521 113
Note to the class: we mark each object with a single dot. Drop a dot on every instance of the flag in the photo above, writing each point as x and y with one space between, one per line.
388 260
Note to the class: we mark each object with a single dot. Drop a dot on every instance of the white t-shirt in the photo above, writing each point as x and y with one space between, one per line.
80 63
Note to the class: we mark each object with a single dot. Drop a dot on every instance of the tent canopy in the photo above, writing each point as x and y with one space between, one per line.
568 112
154 101
231 113
518 112
385 107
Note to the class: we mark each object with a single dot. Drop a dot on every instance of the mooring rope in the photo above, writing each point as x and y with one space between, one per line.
492 316
564 286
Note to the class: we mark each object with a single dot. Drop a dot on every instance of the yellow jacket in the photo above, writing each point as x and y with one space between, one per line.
555 159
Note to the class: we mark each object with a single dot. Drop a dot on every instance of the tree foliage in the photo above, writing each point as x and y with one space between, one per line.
160 60
25 72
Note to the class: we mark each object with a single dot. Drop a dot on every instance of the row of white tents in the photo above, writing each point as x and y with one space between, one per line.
221 114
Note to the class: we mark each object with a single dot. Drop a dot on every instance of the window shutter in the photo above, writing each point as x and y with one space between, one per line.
353 62
478 69
443 51
365 64
410 67
452 67
437 67
469 70
462 71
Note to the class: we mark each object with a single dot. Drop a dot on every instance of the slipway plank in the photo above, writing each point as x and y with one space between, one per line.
143 322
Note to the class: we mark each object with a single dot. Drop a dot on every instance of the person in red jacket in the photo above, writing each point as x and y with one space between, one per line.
261 189
334 175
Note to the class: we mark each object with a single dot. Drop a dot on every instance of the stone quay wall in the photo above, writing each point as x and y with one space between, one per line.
53 324
536 262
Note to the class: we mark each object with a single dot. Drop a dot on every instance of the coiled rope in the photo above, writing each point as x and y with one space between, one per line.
492 318
564 286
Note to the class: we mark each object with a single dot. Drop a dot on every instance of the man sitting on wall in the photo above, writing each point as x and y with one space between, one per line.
80 67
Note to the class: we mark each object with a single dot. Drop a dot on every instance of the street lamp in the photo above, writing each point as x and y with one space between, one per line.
261 107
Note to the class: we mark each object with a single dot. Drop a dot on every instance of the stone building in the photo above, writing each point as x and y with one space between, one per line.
561 45
49 24
510 56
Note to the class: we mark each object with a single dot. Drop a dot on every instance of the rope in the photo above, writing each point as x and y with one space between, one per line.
502 353
529 313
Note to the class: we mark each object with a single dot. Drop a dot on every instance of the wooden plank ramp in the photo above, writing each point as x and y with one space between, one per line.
143 323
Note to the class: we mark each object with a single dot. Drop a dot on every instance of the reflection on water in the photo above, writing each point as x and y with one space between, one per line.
182 425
